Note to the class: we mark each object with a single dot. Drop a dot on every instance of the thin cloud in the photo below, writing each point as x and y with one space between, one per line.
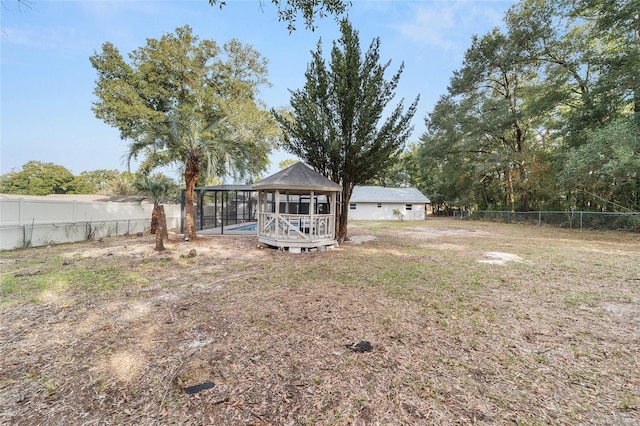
41 38
107 10
448 25
430 26
113 19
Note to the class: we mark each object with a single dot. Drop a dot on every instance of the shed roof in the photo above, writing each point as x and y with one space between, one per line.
298 177
379 194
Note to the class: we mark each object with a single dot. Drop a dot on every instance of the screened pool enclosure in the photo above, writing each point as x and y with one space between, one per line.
221 206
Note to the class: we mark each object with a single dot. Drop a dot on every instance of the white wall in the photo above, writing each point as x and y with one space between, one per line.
35 222
371 211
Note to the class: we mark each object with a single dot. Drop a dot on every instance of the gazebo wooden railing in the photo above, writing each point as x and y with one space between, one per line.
298 229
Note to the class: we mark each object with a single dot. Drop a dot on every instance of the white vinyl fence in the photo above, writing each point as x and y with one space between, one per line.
35 222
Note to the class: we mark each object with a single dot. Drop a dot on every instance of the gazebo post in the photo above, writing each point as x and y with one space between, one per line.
277 208
311 213
260 210
287 210
332 210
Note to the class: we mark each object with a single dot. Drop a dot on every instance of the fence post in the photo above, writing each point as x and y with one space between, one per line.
21 211
581 221
539 218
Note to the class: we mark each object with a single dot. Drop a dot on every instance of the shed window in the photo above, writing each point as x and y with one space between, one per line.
352 206
379 205
408 207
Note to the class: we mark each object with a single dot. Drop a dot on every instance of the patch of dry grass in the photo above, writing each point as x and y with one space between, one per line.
111 332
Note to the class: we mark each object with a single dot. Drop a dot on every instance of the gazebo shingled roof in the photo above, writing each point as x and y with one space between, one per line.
298 177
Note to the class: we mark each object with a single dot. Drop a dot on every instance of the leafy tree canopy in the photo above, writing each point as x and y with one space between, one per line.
286 163
97 182
37 178
157 188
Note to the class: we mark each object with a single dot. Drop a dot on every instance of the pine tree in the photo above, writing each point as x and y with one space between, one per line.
337 125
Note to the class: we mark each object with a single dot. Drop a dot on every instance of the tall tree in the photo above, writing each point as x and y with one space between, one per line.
604 172
188 102
564 50
588 52
616 24
289 10
96 181
485 122
446 169
38 178
337 125
123 184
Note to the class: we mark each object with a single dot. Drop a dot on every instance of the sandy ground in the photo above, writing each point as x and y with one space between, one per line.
469 324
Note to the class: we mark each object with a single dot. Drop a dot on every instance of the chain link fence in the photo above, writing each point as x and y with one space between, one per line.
564 219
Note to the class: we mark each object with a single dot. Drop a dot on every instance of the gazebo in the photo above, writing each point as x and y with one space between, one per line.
297 209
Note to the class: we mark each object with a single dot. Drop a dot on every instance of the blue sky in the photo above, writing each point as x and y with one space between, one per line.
47 81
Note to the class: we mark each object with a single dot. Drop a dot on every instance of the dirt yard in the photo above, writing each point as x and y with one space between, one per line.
469 323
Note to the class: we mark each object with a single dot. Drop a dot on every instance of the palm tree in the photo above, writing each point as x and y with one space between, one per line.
157 189
197 143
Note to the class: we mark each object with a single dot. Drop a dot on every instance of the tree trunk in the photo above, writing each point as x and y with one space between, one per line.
522 183
154 220
190 179
159 226
162 223
342 223
636 84
509 196
343 217
161 231
159 243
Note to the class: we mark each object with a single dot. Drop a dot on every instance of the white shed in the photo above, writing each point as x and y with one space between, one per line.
378 203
